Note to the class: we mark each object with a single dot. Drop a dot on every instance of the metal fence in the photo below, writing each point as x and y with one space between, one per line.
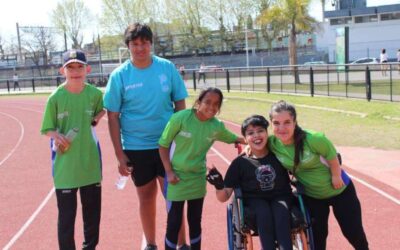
368 82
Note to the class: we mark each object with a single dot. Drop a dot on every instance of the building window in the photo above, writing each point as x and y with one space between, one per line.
366 19
338 21
390 16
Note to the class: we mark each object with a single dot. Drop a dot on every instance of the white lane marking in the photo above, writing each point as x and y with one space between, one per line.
29 221
22 132
361 181
383 193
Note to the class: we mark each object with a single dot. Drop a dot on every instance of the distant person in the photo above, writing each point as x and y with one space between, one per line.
398 60
383 61
184 144
182 71
140 98
202 72
16 83
70 114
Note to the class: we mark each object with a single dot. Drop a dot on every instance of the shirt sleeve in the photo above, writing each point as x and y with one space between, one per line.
113 93
171 129
179 91
232 176
225 135
322 145
99 105
49 122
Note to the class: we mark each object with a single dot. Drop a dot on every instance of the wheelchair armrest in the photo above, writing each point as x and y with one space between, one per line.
238 193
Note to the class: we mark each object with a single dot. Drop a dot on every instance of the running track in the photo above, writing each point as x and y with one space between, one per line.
28 206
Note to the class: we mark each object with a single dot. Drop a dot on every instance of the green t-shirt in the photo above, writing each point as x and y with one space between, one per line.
312 172
191 139
80 165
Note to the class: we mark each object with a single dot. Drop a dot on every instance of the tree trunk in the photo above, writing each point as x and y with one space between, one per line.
293 54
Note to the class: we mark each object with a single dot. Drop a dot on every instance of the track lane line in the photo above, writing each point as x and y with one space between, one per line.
21 136
359 180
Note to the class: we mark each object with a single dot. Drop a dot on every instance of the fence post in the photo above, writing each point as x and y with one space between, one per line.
311 82
268 81
194 80
228 84
8 86
33 85
368 83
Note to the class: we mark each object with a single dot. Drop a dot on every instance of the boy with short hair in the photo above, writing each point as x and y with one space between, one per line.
264 183
75 106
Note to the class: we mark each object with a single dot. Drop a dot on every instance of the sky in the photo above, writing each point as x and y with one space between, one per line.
37 13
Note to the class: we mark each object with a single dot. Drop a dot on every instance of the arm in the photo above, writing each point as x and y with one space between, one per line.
97 118
224 194
114 129
336 173
164 155
180 105
240 140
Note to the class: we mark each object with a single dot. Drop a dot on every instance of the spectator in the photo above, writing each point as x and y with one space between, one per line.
16 83
383 61
202 72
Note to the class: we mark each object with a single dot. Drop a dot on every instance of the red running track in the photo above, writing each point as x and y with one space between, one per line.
28 207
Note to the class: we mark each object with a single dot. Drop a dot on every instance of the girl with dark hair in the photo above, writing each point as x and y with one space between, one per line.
312 159
184 144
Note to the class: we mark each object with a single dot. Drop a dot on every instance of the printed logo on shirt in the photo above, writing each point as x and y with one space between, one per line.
307 156
163 82
212 137
89 112
266 177
62 115
185 134
134 86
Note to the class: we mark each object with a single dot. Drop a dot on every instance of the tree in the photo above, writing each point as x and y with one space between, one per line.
293 17
118 14
38 42
71 17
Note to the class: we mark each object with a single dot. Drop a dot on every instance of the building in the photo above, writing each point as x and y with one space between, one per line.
371 28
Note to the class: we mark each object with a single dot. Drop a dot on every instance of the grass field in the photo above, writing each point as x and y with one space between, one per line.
350 123
347 122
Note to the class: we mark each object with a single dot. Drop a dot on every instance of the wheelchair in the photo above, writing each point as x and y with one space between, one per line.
241 229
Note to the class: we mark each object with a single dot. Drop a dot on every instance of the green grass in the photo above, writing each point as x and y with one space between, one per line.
373 130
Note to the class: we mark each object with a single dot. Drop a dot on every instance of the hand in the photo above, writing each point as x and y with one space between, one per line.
337 182
125 167
214 177
172 177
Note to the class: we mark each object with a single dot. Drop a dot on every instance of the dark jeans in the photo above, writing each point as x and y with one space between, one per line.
91 210
347 210
194 212
273 221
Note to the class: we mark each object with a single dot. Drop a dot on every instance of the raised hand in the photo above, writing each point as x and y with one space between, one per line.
214 177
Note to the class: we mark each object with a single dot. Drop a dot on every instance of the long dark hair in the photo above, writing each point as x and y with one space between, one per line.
299 134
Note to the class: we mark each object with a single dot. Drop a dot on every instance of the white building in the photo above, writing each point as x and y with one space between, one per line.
370 28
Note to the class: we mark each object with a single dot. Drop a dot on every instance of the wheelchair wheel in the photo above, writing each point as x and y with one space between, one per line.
299 240
236 240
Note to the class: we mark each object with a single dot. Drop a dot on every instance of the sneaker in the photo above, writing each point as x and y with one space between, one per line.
150 247
183 247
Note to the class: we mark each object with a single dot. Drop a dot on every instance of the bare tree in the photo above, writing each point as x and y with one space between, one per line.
38 42
72 16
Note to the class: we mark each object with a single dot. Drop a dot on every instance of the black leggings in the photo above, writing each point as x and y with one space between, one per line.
175 211
273 221
347 210
91 210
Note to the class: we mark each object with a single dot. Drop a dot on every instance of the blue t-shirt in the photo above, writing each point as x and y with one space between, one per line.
144 98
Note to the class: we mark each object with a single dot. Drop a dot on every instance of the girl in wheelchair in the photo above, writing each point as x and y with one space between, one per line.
264 183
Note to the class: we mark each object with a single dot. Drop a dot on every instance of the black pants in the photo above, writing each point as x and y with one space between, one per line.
273 221
194 212
91 210
202 74
347 210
